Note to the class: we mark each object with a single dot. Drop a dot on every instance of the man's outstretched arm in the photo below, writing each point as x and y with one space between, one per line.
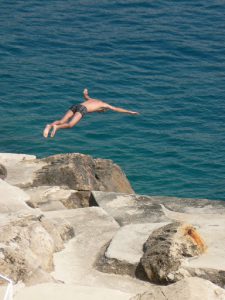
121 110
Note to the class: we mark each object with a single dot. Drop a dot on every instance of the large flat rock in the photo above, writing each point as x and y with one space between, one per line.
69 292
205 215
20 168
131 208
9 158
94 228
128 209
187 289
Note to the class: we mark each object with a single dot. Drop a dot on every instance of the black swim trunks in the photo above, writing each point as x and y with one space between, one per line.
79 108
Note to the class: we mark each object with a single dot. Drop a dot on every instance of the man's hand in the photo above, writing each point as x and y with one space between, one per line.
134 113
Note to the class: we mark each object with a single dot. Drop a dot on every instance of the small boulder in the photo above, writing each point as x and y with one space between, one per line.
166 247
82 172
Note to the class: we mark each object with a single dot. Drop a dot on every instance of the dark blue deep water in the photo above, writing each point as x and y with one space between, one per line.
165 59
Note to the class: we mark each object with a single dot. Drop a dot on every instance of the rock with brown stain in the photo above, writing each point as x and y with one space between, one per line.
165 249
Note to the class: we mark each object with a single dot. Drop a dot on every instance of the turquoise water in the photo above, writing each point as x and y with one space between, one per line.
165 59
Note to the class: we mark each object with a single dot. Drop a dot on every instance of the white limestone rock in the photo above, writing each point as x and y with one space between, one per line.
191 288
127 244
125 250
70 292
27 246
20 168
132 208
49 198
206 216
75 264
12 199
9 158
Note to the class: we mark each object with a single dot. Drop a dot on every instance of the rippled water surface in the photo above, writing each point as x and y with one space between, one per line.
165 59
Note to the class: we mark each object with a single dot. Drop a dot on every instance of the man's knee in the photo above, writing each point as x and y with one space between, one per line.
57 122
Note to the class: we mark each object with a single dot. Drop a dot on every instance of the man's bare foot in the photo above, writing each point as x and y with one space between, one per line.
46 130
85 92
54 131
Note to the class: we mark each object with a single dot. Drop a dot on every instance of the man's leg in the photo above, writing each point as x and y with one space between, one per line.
77 117
64 119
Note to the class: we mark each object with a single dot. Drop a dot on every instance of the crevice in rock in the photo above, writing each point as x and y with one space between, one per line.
92 201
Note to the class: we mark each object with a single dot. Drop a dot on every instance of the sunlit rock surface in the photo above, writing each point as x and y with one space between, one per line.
70 223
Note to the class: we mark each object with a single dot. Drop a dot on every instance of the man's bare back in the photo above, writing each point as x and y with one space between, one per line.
76 112
94 105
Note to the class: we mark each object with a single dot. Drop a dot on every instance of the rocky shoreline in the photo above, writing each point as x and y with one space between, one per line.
72 227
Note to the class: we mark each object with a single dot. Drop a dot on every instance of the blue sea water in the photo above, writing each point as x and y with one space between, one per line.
165 59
